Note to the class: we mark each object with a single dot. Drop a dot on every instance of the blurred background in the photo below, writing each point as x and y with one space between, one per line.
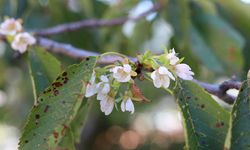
213 36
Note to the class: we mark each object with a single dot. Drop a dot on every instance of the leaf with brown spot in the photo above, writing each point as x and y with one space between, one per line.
206 122
53 114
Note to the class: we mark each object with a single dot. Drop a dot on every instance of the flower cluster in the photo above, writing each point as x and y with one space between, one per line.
13 30
107 83
108 86
168 66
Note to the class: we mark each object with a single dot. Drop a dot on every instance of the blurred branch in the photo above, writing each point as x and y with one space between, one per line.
73 52
92 23
219 90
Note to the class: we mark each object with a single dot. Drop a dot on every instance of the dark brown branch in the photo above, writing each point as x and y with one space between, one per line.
93 23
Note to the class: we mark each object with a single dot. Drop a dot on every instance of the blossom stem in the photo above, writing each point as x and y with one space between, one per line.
113 53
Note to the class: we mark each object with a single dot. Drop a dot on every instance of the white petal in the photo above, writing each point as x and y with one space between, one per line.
174 60
170 75
130 106
125 78
153 75
106 88
127 68
163 70
183 67
166 82
123 106
184 72
104 78
10 27
107 105
115 69
101 96
157 83
90 90
173 51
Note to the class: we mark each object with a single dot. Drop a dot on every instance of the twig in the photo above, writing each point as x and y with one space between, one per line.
219 90
93 23
76 53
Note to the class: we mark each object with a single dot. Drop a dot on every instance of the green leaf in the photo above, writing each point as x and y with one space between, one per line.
178 15
44 68
206 123
56 107
240 131
72 135
203 51
225 42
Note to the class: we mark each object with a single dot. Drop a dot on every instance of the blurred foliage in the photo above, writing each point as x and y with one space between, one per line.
213 36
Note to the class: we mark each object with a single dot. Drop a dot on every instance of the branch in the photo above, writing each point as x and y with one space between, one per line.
219 90
76 53
93 23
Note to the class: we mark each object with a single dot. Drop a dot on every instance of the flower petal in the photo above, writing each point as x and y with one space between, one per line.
104 78
153 75
127 68
157 83
163 70
130 106
166 82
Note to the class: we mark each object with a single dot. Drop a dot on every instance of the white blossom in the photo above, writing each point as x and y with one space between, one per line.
161 77
127 105
184 71
123 73
107 104
10 27
172 57
22 41
91 88
103 87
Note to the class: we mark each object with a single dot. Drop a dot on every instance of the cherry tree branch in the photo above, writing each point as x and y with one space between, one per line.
92 23
219 90
76 53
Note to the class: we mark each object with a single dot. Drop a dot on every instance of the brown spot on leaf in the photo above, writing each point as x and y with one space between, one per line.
219 124
36 122
202 106
56 92
57 84
55 134
46 108
37 116
26 141
64 129
58 78
64 74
